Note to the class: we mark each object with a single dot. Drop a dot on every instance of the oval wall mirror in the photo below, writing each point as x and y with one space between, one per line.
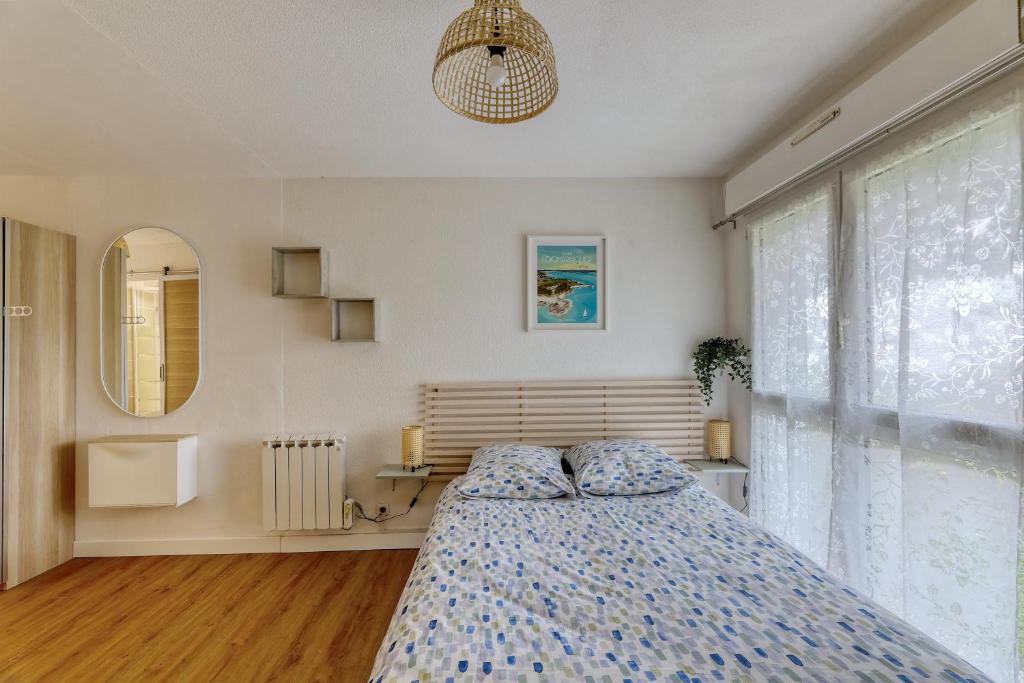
150 322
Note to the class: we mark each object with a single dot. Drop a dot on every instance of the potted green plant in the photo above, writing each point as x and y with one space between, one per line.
712 358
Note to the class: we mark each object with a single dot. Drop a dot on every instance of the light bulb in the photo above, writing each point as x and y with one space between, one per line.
496 73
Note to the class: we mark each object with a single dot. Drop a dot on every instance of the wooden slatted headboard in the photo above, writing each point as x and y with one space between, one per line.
459 418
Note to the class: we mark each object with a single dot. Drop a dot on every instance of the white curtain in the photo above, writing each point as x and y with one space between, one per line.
793 266
925 444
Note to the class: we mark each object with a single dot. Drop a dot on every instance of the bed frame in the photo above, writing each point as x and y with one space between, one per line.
458 418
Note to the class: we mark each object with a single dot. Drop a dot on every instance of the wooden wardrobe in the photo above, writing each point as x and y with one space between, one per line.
37 514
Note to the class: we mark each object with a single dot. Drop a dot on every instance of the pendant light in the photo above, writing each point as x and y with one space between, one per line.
496 64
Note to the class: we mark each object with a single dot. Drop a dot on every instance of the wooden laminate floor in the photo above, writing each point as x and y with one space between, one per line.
301 617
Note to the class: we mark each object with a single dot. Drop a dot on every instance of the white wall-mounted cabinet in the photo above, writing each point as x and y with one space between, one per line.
149 470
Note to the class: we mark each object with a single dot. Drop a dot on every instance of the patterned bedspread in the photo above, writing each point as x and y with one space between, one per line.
665 587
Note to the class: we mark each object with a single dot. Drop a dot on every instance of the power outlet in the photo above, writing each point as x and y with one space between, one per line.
381 509
348 513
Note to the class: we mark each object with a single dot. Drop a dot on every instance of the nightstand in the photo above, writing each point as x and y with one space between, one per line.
396 472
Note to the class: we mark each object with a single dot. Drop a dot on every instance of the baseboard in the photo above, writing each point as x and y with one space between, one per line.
383 541
247 545
178 546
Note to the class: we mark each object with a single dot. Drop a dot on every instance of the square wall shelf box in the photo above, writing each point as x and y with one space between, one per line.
300 272
146 470
354 320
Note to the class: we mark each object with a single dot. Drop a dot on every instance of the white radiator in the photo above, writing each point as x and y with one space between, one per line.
303 482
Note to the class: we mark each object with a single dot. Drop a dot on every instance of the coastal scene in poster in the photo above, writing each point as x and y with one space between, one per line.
567 284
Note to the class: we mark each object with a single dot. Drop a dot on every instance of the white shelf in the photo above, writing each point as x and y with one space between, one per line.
398 472
354 320
714 467
299 273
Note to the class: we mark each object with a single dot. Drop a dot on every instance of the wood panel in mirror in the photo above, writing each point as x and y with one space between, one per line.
181 347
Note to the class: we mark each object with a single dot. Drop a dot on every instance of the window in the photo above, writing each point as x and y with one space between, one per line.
887 408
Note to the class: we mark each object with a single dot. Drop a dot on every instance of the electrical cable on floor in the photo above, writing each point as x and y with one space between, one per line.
746 501
379 519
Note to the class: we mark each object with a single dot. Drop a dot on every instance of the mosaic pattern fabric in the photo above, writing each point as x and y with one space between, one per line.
665 587
624 468
516 471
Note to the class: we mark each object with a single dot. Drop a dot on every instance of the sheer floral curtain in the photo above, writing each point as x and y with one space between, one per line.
793 266
925 442
928 458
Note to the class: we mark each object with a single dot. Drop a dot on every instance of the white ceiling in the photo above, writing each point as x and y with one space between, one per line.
342 87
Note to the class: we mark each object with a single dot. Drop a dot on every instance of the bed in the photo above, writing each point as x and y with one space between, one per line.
672 586
664 587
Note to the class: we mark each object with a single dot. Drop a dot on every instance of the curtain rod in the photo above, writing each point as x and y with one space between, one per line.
963 86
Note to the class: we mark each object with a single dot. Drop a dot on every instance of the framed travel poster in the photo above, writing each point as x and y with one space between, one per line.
565 283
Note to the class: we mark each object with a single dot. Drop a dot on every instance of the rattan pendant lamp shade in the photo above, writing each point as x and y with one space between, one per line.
496 27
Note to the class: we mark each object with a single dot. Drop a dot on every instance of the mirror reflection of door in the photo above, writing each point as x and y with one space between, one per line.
150 325
181 341
144 352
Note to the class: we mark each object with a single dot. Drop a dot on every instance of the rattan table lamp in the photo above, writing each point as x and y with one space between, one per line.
719 440
412 447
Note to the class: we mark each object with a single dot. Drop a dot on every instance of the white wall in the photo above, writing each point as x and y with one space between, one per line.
153 249
737 324
40 200
445 260
233 224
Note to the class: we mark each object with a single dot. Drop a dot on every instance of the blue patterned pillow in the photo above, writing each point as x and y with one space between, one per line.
625 468
516 471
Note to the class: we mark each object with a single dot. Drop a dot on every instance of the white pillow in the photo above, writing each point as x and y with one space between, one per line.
516 471
625 468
